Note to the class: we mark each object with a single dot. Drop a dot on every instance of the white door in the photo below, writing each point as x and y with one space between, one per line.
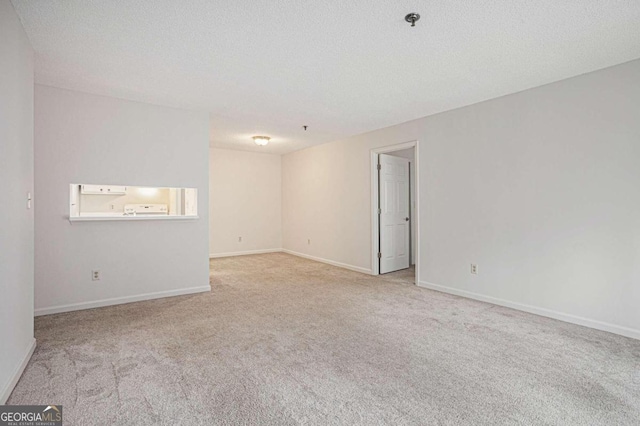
394 213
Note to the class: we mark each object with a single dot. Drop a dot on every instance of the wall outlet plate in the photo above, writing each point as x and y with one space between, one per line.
95 275
474 269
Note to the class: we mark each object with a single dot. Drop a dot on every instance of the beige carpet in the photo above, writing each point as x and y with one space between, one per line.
283 340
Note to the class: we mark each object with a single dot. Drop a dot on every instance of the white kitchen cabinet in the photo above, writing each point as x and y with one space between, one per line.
103 190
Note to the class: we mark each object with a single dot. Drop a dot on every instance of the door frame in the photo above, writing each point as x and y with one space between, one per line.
375 195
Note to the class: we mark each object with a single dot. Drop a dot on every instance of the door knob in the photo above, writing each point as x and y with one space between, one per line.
406 219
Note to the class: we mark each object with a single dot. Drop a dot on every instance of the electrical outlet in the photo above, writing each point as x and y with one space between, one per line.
95 275
239 239
474 269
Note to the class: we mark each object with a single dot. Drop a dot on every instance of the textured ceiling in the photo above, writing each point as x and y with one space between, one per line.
340 67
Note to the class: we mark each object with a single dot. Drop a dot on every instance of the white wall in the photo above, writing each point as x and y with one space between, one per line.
16 180
245 192
86 138
539 188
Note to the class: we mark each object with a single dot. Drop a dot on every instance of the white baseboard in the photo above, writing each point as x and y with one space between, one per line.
8 388
119 300
244 253
330 262
573 319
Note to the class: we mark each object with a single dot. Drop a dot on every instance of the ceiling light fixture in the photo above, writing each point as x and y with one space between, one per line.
261 140
412 17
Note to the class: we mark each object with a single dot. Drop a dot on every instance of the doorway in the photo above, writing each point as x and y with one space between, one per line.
394 206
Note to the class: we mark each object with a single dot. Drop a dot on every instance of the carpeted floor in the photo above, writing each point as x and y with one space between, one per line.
282 340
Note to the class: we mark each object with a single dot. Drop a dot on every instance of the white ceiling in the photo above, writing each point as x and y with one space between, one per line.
340 67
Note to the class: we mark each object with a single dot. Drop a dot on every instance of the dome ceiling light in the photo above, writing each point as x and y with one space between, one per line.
261 140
